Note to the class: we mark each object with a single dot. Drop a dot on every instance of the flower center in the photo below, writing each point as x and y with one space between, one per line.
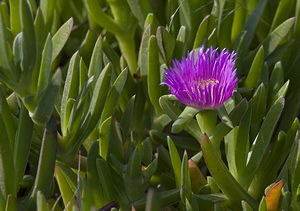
201 84
205 83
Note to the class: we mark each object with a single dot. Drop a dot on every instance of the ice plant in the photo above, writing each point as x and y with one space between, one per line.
204 79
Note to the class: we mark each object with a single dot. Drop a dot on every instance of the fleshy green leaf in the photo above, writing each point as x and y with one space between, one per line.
276 81
47 7
242 142
144 51
253 20
262 205
60 38
41 202
147 151
22 143
246 206
99 94
239 18
28 39
96 59
46 102
201 32
5 58
176 162
133 178
165 43
154 74
45 69
70 90
181 43
173 112
258 104
7 173
197 178
262 140
105 177
185 182
113 95
230 187
46 164
11 203
255 70
187 114
182 142
115 141
65 189
276 36
235 115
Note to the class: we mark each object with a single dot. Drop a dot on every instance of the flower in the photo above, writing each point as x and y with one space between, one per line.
204 81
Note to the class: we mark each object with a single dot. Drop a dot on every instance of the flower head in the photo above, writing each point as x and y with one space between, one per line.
205 81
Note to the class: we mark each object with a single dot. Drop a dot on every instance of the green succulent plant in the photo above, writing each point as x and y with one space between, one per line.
86 124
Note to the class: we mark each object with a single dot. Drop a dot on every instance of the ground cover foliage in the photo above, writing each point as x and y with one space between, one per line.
86 125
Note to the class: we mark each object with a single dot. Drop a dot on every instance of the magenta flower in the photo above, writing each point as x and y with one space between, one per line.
203 82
